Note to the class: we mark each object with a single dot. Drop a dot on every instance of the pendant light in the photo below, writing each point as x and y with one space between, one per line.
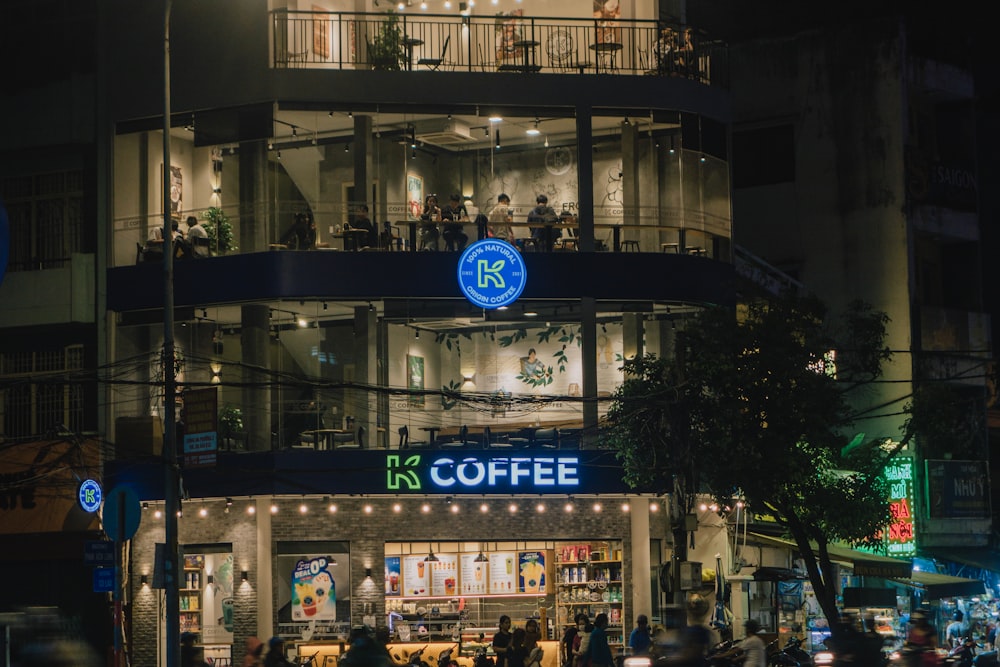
431 558
481 558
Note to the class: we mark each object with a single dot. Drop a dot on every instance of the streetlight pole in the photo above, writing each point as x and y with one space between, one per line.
171 488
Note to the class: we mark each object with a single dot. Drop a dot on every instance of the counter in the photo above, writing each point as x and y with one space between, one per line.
328 653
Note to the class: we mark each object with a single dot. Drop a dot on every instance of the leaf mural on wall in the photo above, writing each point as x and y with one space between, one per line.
449 394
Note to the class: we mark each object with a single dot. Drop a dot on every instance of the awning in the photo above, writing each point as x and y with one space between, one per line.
864 564
936 586
981 557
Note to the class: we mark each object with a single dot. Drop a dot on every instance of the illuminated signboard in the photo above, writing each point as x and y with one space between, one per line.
901 538
482 473
491 274
89 495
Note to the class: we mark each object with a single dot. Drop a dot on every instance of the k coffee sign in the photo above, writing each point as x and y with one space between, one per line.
482 473
491 274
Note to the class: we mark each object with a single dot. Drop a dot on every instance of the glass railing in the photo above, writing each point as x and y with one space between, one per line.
503 43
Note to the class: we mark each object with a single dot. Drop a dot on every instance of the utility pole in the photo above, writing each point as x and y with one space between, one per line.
171 481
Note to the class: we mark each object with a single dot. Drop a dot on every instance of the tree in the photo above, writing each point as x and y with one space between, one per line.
759 407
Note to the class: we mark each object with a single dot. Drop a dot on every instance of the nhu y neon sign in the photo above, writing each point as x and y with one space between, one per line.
476 474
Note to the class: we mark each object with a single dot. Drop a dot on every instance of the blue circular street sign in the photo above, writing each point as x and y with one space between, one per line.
89 495
491 274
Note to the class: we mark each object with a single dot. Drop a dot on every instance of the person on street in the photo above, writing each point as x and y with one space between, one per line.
254 654
921 641
501 641
639 640
598 650
276 654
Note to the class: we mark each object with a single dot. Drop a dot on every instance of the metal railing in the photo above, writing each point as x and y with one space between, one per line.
525 44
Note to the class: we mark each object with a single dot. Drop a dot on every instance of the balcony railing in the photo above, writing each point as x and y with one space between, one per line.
524 44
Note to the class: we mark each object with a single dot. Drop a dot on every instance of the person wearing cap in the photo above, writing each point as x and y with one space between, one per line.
544 216
276 654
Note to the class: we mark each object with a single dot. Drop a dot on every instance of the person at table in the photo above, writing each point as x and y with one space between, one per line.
156 233
362 221
197 239
301 235
664 48
455 215
429 218
500 218
544 217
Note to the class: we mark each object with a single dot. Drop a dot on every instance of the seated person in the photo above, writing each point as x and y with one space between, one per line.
544 235
156 233
500 218
197 244
301 235
455 214
429 229
362 221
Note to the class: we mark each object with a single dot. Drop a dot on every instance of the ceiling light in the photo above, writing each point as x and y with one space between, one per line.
454 509
274 509
540 507
496 119
481 558
546 142
654 506
431 558
251 509
512 508
626 507
533 130
368 509
332 508
498 139
597 507
397 508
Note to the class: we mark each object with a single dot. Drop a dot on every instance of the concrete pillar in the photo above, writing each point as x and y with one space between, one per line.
253 227
255 339
363 164
632 332
262 578
588 351
364 403
630 181
585 182
642 596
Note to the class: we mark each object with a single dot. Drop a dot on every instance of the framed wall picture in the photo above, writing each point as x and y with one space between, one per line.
176 192
415 380
414 196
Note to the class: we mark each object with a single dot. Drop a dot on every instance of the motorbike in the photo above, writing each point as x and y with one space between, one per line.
961 655
792 655
445 658
416 659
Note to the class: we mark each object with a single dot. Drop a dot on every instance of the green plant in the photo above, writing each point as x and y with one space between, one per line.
386 50
219 230
230 421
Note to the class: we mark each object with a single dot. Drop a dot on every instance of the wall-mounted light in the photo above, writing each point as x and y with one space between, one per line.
144 581
145 506
210 579
498 138
244 575
368 573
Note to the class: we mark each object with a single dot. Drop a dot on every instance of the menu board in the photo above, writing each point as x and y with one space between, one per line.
474 575
503 579
415 576
392 575
531 572
444 575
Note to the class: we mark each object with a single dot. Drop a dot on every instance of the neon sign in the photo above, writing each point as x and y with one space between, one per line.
480 473
901 536
491 274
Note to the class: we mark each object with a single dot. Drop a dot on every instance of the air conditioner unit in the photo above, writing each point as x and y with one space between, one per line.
444 133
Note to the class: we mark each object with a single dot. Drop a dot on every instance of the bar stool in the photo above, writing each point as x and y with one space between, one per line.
670 247
630 246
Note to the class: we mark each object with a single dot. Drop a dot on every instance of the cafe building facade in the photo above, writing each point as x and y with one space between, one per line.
388 451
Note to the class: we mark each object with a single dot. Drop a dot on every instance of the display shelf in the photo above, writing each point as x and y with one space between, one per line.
578 572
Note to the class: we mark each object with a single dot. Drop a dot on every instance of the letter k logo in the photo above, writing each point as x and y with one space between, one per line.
397 473
486 273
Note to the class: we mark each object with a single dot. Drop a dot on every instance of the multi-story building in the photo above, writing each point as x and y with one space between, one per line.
855 171
333 354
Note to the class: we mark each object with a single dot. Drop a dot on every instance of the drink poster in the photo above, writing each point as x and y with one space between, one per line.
314 595
444 575
474 575
217 617
415 576
503 580
531 572
393 580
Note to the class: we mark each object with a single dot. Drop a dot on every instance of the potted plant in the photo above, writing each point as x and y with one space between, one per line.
231 424
386 50
219 230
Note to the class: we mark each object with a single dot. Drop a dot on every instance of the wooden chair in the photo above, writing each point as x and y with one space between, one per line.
435 63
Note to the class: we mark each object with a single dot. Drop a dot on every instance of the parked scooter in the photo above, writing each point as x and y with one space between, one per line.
416 658
792 655
445 658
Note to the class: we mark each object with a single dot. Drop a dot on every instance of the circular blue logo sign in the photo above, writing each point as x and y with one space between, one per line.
90 495
491 274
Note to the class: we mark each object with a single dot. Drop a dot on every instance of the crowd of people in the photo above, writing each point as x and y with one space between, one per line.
188 243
